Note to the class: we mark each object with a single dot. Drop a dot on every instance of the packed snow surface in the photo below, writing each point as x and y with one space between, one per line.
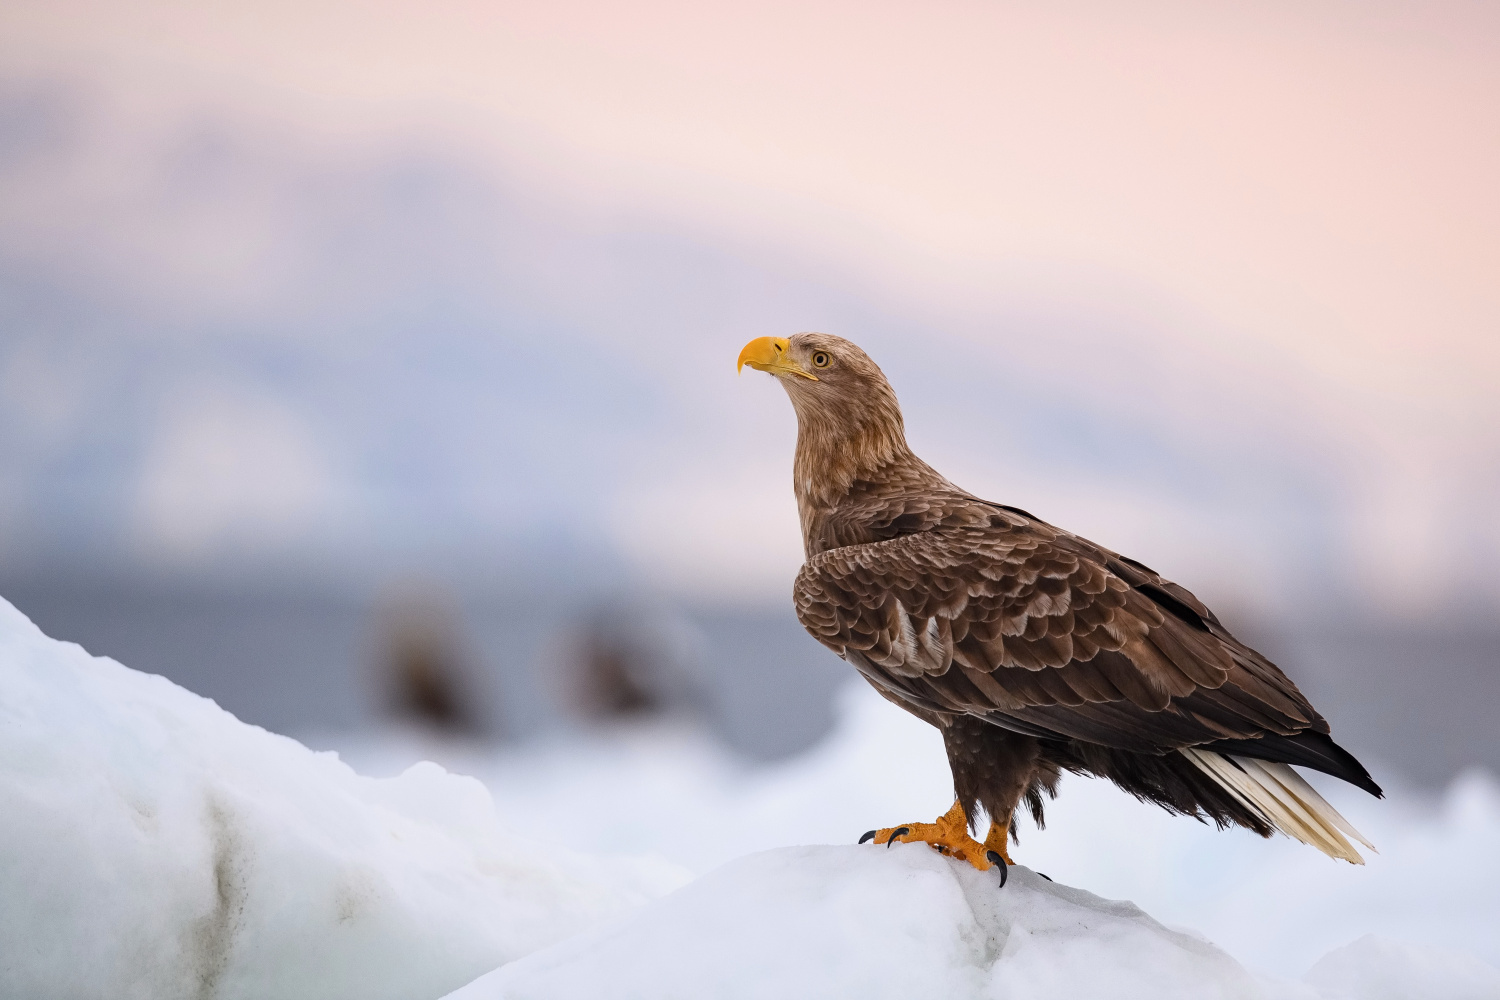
838 921
1275 904
907 923
1377 968
153 846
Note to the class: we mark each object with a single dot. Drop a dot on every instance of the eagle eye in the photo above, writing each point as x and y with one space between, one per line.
820 359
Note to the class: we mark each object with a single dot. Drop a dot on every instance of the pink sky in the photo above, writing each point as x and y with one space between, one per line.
1318 177
1307 189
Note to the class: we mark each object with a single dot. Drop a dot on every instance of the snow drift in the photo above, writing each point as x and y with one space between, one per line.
873 923
907 923
153 846
1274 904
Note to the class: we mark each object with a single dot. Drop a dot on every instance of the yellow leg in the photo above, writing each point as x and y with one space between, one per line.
998 838
949 835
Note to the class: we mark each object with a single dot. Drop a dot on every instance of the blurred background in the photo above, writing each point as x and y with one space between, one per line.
368 367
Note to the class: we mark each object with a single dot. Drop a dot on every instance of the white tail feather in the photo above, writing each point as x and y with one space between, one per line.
1279 795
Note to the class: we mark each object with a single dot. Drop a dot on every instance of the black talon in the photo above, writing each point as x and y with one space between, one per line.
868 836
900 831
1045 876
994 858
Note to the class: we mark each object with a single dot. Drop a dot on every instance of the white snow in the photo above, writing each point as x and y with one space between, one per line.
840 921
906 923
1377 968
1275 904
153 846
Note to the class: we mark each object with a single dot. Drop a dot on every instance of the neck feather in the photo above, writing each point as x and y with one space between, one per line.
834 451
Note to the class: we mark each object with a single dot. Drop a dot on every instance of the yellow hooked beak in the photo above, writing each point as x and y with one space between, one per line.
768 354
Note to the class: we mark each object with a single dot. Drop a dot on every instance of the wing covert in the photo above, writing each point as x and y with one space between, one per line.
1035 628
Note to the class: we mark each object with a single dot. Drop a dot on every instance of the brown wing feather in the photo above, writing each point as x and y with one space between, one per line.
1030 626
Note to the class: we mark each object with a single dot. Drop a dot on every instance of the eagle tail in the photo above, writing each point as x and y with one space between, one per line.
1280 795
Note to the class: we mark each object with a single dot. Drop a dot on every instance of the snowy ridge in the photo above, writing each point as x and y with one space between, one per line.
153 846
1273 903
1287 802
814 922
809 923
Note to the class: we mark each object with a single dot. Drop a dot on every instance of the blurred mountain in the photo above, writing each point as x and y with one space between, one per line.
229 349
251 376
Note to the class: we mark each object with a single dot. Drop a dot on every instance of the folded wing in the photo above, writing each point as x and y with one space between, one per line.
1043 632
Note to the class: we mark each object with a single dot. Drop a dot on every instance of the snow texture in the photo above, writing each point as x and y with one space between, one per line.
1276 905
153 846
906 923
1377 968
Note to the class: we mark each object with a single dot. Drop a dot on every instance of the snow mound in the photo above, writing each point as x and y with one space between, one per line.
906 923
871 923
1272 903
153 846
1378 968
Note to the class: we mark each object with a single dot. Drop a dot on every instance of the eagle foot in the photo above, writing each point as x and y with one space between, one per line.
948 835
